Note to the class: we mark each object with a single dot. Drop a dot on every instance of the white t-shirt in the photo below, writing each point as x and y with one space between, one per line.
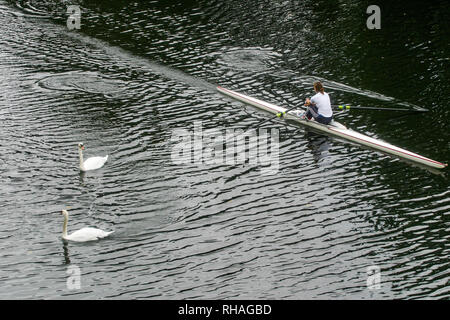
322 101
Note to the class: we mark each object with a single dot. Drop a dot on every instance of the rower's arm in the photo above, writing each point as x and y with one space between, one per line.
309 102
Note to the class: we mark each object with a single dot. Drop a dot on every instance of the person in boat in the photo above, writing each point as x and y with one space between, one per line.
319 106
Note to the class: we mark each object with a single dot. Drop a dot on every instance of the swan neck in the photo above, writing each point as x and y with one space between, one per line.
80 151
66 218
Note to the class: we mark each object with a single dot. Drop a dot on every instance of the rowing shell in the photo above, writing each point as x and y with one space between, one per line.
336 129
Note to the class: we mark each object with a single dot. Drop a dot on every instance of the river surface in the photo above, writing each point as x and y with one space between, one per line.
330 220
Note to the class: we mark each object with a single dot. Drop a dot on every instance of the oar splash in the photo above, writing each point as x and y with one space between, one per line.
348 107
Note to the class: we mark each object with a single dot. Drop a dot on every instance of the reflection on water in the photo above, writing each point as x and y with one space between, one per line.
318 145
66 253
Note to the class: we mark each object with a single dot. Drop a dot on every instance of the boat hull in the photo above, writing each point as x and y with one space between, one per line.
336 129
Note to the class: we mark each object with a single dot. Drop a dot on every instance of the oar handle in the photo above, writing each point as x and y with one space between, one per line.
347 107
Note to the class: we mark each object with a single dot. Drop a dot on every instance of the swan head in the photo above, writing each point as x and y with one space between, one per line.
81 146
65 213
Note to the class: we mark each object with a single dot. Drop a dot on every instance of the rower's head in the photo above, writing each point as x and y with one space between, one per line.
318 87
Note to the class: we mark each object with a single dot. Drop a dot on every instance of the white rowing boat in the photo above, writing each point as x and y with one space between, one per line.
336 129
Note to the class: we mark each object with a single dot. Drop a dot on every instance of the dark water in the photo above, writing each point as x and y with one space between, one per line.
137 71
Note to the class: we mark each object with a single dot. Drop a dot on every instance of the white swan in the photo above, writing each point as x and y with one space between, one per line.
84 234
91 163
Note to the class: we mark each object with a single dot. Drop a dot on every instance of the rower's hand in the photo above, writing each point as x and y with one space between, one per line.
307 102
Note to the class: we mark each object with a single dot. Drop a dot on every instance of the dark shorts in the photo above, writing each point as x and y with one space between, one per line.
312 112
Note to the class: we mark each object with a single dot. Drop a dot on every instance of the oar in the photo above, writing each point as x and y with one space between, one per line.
347 107
278 115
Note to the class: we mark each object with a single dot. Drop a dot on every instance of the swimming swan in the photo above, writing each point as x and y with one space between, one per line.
91 163
84 234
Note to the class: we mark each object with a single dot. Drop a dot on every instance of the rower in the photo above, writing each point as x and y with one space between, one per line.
319 106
